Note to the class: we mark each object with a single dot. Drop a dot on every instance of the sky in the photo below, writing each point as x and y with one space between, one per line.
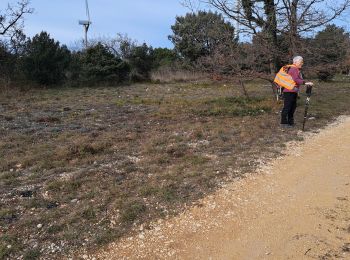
146 21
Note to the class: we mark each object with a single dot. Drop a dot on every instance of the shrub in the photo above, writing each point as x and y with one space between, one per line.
45 61
326 74
97 64
140 59
7 64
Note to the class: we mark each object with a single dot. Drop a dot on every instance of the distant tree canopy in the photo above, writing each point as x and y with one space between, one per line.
140 59
203 41
164 57
331 45
268 19
199 34
45 61
98 64
327 52
7 63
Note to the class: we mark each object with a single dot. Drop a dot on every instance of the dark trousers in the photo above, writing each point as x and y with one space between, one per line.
290 104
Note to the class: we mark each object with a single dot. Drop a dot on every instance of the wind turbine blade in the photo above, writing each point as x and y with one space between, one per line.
87 10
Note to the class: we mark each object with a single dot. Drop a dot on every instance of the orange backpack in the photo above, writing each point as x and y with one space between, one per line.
283 79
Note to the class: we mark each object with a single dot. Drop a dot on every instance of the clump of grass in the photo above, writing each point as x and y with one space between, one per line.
7 215
61 186
107 236
71 234
177 150
84 149
54 229
171 75
32 254
9 177
168 194
196 159
138 101
89 213
149 190
234 106
133 210
9 244
120 102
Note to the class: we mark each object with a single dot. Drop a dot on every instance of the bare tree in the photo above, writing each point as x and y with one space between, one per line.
120 45
193 5
268 18
11 20
297 17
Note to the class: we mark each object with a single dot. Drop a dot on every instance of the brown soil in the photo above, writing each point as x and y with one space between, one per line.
295 208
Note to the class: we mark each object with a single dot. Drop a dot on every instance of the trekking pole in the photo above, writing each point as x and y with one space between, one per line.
307 102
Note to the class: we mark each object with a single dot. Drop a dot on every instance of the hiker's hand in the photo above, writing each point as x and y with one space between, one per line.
309 83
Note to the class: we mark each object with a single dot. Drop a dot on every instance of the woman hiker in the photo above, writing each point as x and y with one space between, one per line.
291 80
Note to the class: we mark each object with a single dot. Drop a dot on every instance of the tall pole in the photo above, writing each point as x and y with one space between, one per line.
86 27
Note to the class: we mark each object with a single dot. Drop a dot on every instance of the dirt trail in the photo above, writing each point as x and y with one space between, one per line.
296 208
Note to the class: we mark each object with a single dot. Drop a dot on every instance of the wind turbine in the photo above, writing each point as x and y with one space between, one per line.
86 23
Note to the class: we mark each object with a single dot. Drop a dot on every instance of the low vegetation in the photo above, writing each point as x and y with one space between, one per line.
80 167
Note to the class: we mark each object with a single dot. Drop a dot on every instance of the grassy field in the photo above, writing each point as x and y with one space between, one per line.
81 167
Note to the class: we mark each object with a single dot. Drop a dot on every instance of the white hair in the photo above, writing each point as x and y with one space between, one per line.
297 59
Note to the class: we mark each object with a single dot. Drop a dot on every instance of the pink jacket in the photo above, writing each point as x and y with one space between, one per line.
296 75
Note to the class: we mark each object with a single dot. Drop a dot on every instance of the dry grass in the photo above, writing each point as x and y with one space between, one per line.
168 75
89 164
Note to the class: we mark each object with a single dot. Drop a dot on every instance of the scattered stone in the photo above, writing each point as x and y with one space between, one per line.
45 195
39 226
74 200
141 236
157 228
346 247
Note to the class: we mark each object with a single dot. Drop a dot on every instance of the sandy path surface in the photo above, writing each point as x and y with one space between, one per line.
295 208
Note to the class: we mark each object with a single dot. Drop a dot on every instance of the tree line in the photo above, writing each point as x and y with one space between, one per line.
204 41
43 60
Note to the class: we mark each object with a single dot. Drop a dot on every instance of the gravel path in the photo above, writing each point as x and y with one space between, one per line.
297 207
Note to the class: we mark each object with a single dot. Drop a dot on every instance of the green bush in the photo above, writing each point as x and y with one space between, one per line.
163 57
140 59
97 64
45 61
